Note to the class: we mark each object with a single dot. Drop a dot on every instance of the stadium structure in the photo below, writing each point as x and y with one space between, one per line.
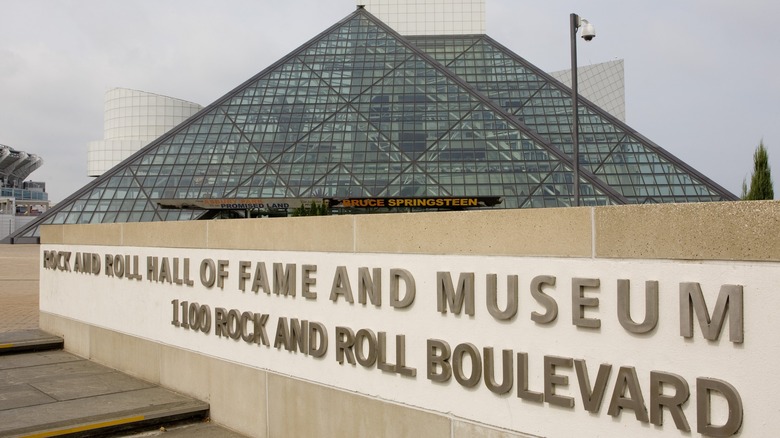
20 201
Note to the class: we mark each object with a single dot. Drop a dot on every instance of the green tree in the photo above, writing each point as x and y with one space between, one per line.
761 180
313 209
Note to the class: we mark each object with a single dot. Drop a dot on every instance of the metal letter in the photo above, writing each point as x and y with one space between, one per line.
522 381
627 380
187 280
579 302
205 318
243 275
382 349
317 330
651 307
704 426
674 402
341 286
371 287
591 398
176 278
110 264
511 297
65 261
446 294
284 279
86 262
282 338
222 273
207 272
260 333
220 322
551 380
438 355
165 269
194 316
367 360
551 307
119 266
396 275
308 281
400 358
730 299
476 365
345 341
299 334
233 323
151 268
261 279
245 335
508 371
96 263
175 320
77 263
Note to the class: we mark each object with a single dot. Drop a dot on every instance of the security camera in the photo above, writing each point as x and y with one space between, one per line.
588 31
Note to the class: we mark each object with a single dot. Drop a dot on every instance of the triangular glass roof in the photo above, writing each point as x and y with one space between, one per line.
637 168
360 111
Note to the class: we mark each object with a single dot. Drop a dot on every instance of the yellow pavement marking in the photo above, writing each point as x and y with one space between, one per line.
92 426
6 345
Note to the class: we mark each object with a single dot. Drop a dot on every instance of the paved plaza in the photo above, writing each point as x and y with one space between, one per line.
52 392
18 287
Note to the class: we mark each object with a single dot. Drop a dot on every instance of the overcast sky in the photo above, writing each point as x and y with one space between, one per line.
702 76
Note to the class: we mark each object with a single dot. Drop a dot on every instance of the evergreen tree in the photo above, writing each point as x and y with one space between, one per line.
312 209
761 180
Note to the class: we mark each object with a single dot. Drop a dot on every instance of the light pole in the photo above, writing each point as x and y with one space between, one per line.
588 33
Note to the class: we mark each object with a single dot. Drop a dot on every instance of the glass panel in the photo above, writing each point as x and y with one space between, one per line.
544 105
359 112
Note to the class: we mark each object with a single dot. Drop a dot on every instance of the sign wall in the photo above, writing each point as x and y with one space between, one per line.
547 346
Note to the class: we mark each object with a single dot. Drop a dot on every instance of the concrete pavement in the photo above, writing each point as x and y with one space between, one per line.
47 392
55 393
18 287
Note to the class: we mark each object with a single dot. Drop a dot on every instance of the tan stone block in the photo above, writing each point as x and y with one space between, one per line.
306 409
93 234
128 354
176 234
52 234
561 232
321 233
462 429
75 334
185 372
745 230
238 398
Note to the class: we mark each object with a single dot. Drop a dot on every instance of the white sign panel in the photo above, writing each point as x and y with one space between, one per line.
546 346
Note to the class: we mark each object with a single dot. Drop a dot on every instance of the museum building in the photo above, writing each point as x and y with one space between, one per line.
361 111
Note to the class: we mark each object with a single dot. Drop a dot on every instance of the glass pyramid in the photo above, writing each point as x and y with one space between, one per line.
360 111
638 169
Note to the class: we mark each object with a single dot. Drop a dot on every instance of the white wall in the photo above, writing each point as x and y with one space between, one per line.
144 309
132 120
430 17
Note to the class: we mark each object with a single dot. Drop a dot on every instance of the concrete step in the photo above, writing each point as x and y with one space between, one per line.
55 393
28 340
202 429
